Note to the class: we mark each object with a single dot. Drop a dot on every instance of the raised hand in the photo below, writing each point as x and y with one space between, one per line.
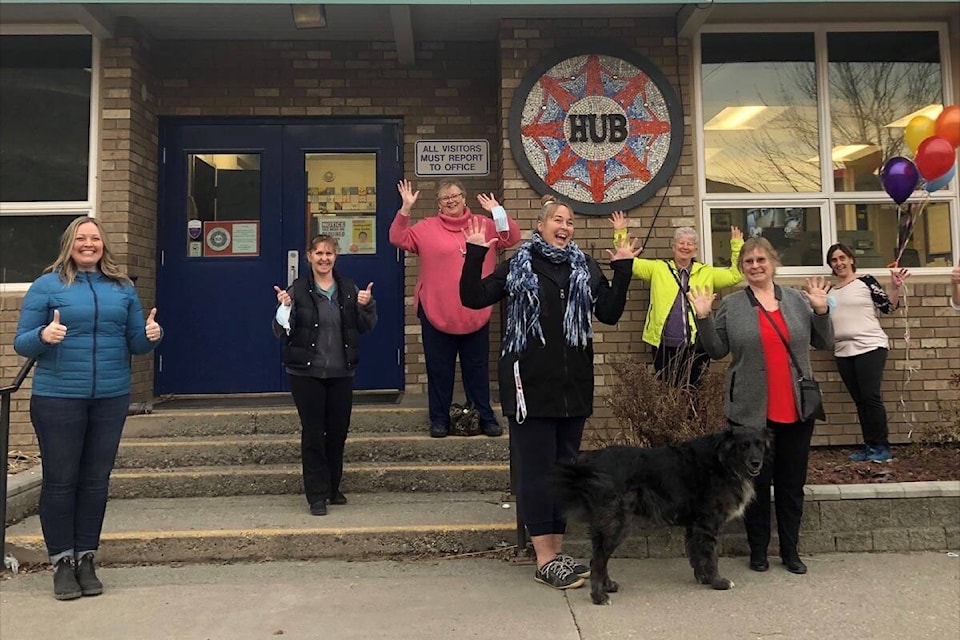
364 296
701 298
408 195
475 232
627 249
735 233
282 296
54 333
897 276
816 290
618 219
488 202
152 328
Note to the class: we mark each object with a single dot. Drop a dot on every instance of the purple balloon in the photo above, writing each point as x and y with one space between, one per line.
899 178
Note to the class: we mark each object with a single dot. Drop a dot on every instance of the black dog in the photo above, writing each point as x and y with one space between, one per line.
700 484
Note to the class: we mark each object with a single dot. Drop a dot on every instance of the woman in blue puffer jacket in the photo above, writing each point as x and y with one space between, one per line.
81 321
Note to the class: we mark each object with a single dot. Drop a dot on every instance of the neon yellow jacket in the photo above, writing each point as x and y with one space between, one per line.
664 287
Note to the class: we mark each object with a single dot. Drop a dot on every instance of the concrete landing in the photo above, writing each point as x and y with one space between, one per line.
261 527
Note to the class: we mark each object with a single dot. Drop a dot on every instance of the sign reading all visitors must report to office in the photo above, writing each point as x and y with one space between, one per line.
453 158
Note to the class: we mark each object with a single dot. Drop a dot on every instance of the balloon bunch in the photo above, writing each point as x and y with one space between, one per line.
934 144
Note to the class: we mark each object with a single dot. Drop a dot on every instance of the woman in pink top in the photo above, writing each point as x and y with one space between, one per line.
448 328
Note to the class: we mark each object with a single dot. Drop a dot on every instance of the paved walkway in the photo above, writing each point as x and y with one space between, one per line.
876 596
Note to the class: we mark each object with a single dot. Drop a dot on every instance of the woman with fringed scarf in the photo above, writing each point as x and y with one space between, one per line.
546 366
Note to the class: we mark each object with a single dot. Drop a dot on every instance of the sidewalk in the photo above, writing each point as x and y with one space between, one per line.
876 596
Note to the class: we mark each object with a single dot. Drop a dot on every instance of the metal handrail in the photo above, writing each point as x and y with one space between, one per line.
5 393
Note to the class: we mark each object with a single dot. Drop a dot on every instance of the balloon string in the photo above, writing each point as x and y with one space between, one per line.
909 365
913 225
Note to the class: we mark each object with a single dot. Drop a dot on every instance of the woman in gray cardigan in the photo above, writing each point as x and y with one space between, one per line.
762 387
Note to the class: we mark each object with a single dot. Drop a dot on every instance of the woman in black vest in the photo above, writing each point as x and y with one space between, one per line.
321 316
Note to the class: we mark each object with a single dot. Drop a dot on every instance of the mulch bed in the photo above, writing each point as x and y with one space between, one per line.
911 463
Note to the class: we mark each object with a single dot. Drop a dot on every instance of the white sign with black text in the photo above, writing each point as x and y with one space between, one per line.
452 158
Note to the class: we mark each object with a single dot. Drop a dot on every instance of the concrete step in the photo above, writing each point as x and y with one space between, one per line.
261 528
260 449
279 479
245 421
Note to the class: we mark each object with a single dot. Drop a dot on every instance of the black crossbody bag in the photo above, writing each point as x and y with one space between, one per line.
811 400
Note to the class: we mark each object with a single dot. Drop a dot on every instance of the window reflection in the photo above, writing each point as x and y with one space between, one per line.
793 231
878 81
342 199
760 113
223 205
877 231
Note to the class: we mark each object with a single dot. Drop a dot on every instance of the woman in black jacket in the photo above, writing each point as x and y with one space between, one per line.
321 316
546 368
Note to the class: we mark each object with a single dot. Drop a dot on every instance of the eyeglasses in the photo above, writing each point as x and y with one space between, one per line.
451 198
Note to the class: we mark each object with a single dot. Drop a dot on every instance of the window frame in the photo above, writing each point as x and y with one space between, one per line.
827 198
72 208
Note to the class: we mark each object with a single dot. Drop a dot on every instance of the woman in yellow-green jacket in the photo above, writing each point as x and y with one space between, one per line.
670 328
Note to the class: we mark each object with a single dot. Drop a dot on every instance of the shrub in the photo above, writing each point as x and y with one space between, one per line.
947 428
652 413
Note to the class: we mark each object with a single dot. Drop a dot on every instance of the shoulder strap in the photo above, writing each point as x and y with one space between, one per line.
688 325
793 358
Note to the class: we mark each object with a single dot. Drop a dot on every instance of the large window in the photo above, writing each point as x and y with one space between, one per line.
795 125
46 86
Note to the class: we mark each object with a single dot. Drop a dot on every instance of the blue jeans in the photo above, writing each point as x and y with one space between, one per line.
78 440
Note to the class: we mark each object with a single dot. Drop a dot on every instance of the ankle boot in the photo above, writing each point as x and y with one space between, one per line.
90 585
65 586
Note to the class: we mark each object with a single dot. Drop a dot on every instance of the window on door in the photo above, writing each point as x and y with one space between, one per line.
223 205
342 199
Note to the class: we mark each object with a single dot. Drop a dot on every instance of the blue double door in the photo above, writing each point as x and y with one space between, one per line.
239 200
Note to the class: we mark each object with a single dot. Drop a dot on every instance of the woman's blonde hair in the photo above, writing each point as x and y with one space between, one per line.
65 265
446 183
323 238
752 244
549 204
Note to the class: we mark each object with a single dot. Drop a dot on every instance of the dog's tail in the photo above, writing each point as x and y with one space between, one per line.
582 489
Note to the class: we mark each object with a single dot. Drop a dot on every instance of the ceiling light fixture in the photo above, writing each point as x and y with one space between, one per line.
309 16
743 118
930 111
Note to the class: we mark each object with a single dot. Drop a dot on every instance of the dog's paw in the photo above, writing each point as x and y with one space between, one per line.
600 598
611 586
722 584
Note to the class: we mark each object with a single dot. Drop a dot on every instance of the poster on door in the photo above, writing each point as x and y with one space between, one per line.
355 235
231 238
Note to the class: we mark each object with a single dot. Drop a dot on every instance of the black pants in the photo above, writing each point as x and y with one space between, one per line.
440 351
538 444
680 366
862 375
786 466
324 405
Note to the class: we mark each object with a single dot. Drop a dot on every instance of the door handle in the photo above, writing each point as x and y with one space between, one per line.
293 266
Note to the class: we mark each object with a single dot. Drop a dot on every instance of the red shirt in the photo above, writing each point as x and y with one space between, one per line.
781 406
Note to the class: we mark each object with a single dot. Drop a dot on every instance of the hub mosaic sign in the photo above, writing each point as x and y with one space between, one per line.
597 126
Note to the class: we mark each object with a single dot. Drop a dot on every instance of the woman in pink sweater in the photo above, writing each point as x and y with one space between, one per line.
448 328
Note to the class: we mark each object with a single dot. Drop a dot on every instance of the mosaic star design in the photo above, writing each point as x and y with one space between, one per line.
590 171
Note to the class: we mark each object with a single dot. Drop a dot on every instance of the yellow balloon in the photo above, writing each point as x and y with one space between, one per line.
919 129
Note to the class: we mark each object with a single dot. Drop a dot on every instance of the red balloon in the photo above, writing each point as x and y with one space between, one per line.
935 156
947 125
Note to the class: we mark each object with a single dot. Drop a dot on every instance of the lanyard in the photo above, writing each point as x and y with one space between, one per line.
684 306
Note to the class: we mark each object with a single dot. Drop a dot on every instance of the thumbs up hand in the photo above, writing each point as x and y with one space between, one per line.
282 296
364 296
153 329
54 333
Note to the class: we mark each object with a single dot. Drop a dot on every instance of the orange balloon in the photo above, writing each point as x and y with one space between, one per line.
918 129
947 125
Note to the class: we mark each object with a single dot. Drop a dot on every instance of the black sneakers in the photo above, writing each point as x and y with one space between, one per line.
338 498
576 566
90 585
319 508
492 429
438 431
65 585
556 574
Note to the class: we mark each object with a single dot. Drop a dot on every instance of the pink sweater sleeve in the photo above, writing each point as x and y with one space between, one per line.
402 234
